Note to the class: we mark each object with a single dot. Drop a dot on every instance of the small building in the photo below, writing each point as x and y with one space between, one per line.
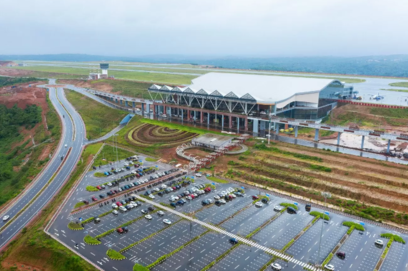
212 141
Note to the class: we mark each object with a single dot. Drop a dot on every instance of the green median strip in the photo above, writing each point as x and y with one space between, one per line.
285 204
288 245
219 258
319 215
75 226
91 188
328 259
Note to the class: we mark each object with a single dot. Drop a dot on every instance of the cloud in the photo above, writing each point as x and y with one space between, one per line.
205 27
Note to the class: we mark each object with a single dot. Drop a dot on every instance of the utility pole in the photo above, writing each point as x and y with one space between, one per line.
326 195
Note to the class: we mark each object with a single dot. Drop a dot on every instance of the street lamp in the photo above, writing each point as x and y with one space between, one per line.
326 196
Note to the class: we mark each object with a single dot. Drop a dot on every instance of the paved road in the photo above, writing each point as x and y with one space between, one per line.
73 138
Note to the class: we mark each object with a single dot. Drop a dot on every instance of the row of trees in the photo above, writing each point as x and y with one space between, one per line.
13 118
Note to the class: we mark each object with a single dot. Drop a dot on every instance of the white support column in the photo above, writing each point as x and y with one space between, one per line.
362 142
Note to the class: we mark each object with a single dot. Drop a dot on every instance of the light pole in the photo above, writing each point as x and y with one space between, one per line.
326 195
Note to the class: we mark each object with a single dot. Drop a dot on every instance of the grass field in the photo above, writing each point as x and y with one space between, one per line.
99 119
365 187
397 90
399 84
166 78
108 154
127 88
36 249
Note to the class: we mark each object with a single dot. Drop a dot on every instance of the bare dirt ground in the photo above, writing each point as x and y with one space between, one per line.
15 72
101 86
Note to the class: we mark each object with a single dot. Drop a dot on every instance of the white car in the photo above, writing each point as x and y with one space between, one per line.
379 242
278 208
6 217
216 197
148 217
329 267
156 189
109 184
160 213
199 175
115 212
114 206
163 186
223 201
66 145
166 221
276 266
258 204
152 196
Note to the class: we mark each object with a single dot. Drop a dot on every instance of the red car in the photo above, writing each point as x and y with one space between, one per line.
207 190
99 187
254 197
85 201
119 230
118 203
94 199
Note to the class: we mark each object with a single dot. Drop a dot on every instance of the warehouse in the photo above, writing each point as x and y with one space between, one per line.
245 102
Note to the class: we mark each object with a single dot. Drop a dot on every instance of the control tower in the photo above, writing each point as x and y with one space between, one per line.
104 67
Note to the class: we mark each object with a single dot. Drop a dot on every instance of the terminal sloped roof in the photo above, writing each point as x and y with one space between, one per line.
262 88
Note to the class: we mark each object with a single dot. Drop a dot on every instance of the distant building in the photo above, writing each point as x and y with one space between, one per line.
7 64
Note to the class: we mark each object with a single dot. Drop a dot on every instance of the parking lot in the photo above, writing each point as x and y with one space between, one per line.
283 229
164 242
250 219
397 258
237 215
306 248
198 254
361 252
243 258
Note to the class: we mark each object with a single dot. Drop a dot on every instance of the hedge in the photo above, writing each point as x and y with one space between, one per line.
253 233
91 188
106 213
138 267
319 214
79 204
75 226
114 255
91 240
328 259
395 237
104 233
288 245
285 204
353 226
88 220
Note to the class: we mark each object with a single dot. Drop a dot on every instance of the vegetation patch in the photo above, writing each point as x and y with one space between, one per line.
91 188
79 204
149 159
138 267
110 154
99 119
399 84
91 240
288 245
114 255
217 180
395 237
328 259
320 215
353 226
99 175
286 204
75 226
321 168
263 147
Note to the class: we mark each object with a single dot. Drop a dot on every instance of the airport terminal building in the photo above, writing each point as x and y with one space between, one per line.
245 102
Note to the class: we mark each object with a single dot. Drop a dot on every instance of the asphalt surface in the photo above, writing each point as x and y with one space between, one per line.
73 138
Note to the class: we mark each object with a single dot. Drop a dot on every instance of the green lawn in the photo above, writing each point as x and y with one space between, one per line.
128 88
99 119
217 180
108 154
397 90
399 84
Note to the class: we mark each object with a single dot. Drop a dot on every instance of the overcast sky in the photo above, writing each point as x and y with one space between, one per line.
205 27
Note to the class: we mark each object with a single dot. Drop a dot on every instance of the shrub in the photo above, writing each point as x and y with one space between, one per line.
393 237
353 226
91 188
88 220
327 260
75 226
104 233
288 245
321 168
151 159
321 215
286 204
114 255
91 240
106 213
138 267
79 204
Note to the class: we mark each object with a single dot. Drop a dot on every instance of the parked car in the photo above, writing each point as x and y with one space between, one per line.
259 204
341 255
148 217
160 213
144 211
97 220
119 230
255 197
115 212
233 241
278 208
85 201
166 221
276 266
329 267
94 199
379 242
291 210
6 217
308 207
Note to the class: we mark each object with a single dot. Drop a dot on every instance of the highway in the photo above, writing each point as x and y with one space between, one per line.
72 139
